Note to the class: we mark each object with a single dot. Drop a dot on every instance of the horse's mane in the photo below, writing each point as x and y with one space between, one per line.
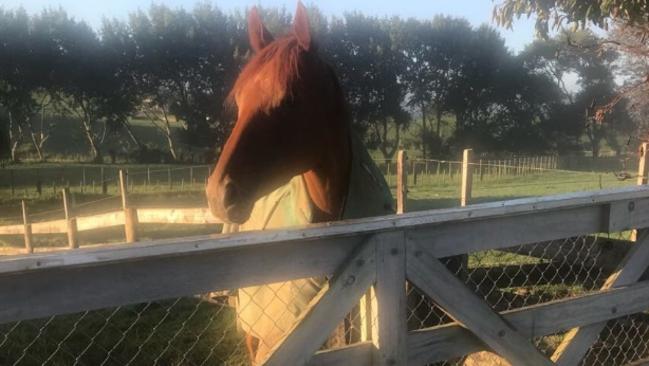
269 75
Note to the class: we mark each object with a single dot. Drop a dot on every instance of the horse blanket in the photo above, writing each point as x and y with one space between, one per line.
268 311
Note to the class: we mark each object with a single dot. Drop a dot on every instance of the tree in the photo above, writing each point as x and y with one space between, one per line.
575 53
371 68
631 29
186 65
88 80
17 82
554 13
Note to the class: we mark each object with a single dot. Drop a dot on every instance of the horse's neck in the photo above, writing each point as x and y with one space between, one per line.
327 184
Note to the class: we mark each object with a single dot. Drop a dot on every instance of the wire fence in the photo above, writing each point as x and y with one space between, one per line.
46 182
242 326
432 183
538 273
85 179
207 329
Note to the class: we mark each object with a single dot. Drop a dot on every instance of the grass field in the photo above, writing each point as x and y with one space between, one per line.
191 330
182 186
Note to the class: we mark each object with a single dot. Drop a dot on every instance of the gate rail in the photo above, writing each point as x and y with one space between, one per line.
375 255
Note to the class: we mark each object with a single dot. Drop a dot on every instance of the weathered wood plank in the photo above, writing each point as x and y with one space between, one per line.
577 341
642 362
462 237
327 309
432 277
390 289
198 215
359 354
451 341
495 213
64 290
108 219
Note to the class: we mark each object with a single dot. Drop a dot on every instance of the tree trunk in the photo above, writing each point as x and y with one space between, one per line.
94 149
38 146
595 148
172 147
439 122
14 137
14 148
170 140
386 148
135 140
459 121
37 141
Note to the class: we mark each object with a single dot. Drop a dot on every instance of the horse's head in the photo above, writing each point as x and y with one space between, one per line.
290 114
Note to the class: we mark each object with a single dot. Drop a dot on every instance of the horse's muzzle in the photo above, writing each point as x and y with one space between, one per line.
227 201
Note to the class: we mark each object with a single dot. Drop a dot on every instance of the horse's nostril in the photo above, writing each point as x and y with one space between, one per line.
230 194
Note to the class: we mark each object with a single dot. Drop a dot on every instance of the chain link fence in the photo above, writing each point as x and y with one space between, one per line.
238 327
537 273
242 326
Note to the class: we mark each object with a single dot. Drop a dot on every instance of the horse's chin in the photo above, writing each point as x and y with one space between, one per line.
237 214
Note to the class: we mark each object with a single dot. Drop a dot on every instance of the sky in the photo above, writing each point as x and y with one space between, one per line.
476 11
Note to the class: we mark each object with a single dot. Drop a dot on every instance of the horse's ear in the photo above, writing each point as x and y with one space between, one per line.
301 27
259 36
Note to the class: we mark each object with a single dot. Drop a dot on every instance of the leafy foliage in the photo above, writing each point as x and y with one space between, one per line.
554 13
459 84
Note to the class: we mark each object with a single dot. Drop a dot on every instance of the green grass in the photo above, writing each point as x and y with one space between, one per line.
185 331
208 330
430 192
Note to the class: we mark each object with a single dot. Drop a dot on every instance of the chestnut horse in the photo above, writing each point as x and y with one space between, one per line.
291 159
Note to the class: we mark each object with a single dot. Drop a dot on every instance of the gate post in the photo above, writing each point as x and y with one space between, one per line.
467 177
71 221
130 213
27 229
402 181
390 333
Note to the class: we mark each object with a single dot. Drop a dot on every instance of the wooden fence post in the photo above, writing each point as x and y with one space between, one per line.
643 170
467 177
71 221
29 247
130 213
390 306
104 186
642 164
402 181
414 173
11 182
391 353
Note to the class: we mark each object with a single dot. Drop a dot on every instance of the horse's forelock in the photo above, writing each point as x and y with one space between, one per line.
269 75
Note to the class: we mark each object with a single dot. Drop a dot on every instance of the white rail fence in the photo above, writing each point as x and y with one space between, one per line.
551 279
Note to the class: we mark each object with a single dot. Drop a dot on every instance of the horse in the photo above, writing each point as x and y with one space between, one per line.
291 159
